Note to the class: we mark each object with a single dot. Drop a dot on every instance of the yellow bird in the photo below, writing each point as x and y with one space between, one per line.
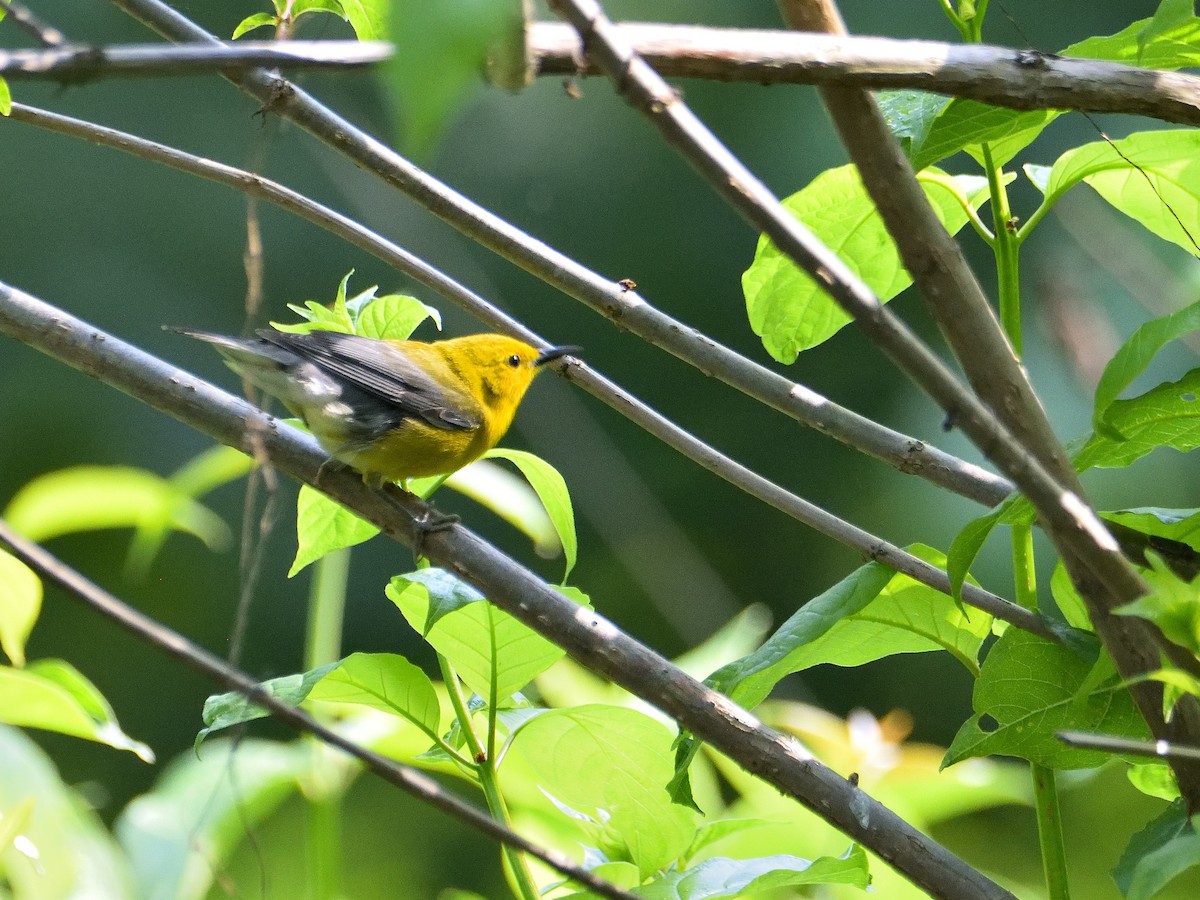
393 410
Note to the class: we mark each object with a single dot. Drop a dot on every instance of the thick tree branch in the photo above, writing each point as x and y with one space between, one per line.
1105 579
74 63
1002 76
1013 432
585 635
222 673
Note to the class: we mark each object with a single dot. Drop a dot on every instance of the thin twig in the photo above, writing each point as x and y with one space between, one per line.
213 667
25 18
75 63
1002 76
1013 431
586 636
626 308
868 545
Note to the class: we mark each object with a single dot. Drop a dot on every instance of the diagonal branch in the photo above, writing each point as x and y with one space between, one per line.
586 636
73 63
222 673
626 308
1012 431
1002 76
868 545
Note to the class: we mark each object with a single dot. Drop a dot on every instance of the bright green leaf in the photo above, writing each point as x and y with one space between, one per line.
52 695
324 525
724 877
611 764
1070 604
473 635
5 99
20 603
1172 43
393 317
1172 604
551 489
785 306
1162 850
257 20
386 682
226 710
1154 780
511 498
1135 355
965 548
1165 416
1029 689
910 115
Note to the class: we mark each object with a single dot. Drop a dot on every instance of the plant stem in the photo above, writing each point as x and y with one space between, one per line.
516 869
1050 837
1006 247
323 644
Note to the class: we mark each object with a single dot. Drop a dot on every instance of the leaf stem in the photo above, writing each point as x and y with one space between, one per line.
1050 836
1006 247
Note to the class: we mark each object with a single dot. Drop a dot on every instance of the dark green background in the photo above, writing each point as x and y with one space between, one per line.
667 551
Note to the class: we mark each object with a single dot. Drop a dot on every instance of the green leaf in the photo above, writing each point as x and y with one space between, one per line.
1070 604
1152 176
53 695
1135 355
317 316
88 498
1172 604
1169 16
1028 690
443 48
232 708
965 548
872 613
551 489
785 306
1154 780
180 835
473 635
910 115
383 681
721 876
368 18
507 495
20 604
257 20
968 124
324 525
1171 44
5 99
75 854
393 317
1181 525
1167 846
1165 416
612 764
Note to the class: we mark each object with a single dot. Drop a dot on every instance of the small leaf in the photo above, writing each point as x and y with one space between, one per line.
1154 780
322 526
510 497
551 489
20 604
53 695
968 124
226 710
785 306
5 99
257 20
965 548
721 876
383 681
393 317
910 114
368 18
1166 847
1172 604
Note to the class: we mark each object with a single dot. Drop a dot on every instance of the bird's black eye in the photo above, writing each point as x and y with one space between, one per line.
514 360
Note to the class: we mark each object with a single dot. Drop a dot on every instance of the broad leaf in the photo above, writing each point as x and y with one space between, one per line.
724 877
785 306
1162 850
1165 416
551 489
324 525
383 681
226 710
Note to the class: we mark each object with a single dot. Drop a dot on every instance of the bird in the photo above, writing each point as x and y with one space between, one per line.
392 410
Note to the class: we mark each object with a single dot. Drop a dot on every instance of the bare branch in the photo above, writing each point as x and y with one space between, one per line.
74 63
27 20
1002 76
626 308
216 669
867 544
586 636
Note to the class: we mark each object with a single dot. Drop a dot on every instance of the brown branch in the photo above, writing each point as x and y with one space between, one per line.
1002 76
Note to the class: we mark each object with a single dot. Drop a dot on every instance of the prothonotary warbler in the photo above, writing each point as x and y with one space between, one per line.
393 410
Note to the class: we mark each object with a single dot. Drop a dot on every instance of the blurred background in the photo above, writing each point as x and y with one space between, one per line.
666 550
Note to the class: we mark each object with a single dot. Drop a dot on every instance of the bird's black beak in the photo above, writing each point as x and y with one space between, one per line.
552 353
